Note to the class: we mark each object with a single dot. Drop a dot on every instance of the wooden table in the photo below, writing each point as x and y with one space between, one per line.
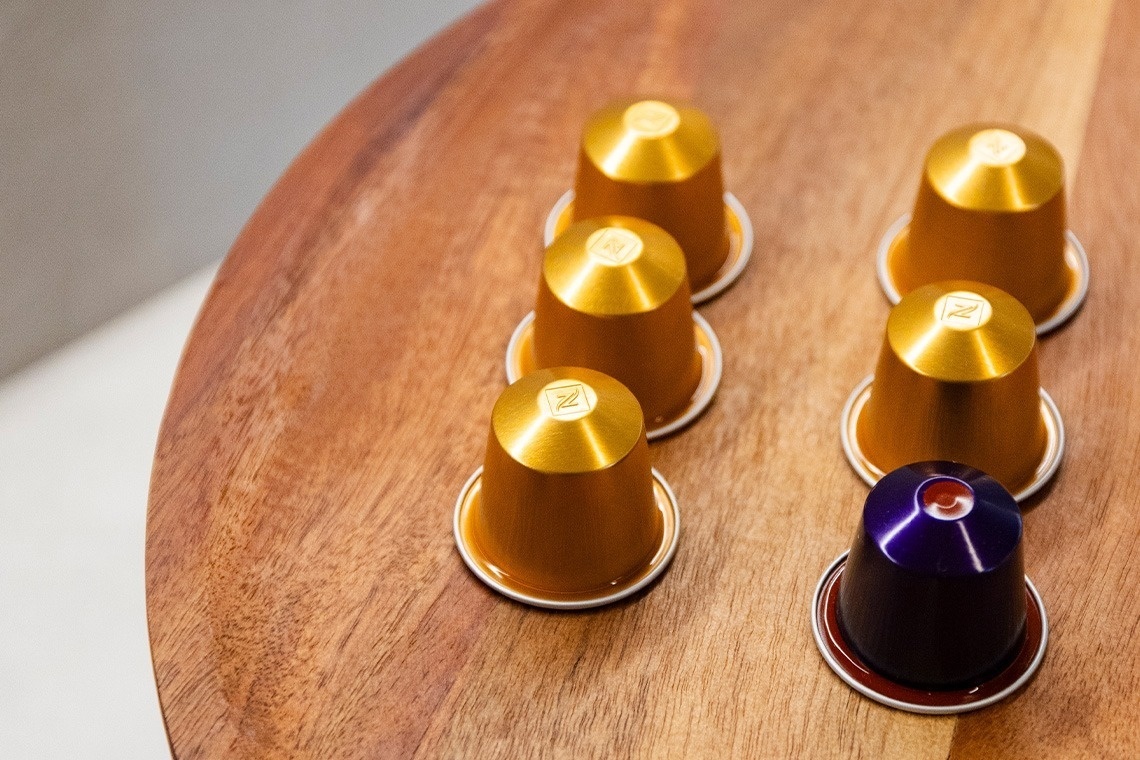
305 595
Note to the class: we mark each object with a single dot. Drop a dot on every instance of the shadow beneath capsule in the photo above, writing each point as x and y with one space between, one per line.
619 604
1033 501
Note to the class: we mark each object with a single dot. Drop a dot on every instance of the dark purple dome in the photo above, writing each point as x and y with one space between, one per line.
933 593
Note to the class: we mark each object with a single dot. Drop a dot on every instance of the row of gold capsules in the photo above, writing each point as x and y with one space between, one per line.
931 611
566 511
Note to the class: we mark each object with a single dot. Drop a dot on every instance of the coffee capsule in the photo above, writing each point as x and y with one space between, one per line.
660 161
566 511
991 208
931 611
956 380
613 296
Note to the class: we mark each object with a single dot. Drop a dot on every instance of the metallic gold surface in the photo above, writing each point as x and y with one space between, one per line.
614 297
957 380
661 162
521 361
737 228
990 208
566 504
470 501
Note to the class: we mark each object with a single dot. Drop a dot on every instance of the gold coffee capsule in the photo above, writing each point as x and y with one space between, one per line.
613 296
956 381
660 161
566 511
991 208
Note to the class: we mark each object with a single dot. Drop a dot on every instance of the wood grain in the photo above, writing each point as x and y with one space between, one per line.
305 598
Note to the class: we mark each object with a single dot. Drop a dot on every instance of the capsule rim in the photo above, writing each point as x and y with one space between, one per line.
870 474
1076 261
916 700
666 502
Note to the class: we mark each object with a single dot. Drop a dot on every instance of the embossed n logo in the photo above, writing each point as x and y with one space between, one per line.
568 399
962 311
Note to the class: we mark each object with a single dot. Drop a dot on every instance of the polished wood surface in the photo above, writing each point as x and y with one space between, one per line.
305 595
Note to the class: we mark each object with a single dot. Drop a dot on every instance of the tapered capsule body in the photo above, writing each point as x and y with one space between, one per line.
990 208
660 161
614 296
566 510
957 380
933 594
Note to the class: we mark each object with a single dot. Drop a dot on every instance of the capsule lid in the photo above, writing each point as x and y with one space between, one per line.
991 167
961 331
650 141
614 265
567 420
942 519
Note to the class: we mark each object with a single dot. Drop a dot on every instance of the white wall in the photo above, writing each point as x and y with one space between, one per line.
137 137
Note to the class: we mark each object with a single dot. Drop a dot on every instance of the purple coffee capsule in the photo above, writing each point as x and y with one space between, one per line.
931 611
